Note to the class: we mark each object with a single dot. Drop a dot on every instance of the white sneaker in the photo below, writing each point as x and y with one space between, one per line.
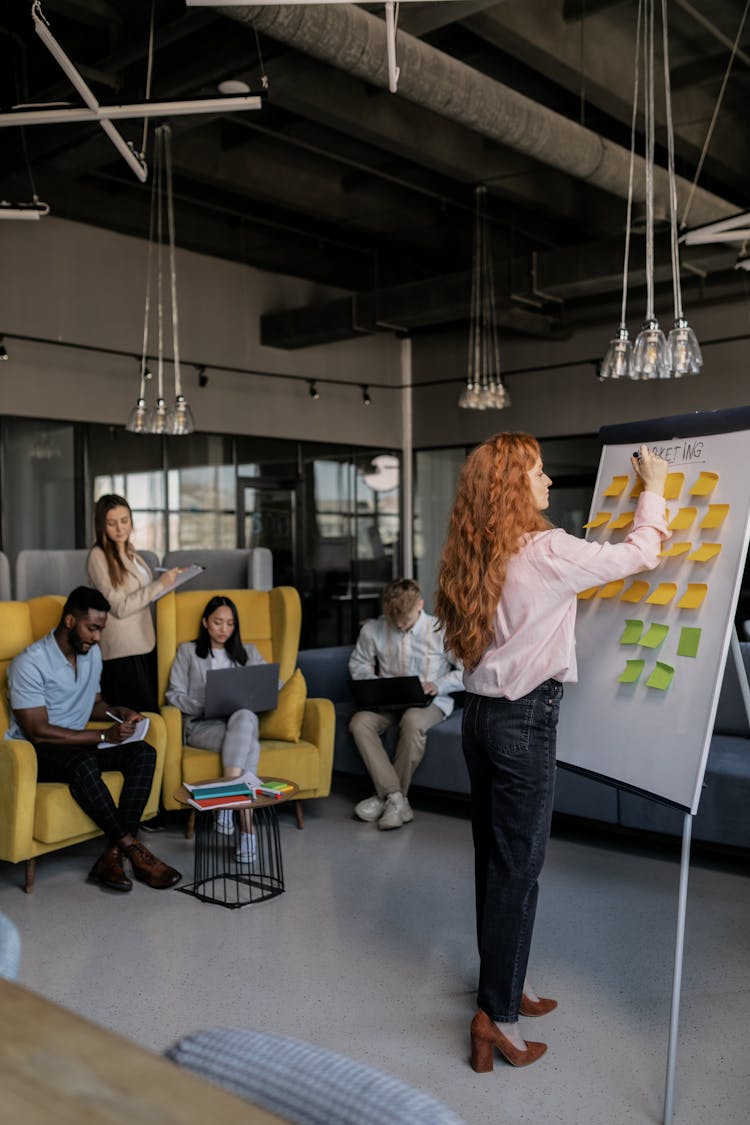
225 822
248 849
407 815
370 809
393 813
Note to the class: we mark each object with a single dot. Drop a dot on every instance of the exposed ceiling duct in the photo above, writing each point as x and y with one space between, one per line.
352 39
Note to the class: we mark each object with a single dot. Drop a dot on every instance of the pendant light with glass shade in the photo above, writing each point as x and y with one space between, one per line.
176 420
484 388
652 356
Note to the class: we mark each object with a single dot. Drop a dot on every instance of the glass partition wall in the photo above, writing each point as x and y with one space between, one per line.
329 513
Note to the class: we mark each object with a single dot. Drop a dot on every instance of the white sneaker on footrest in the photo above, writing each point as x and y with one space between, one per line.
248 849
225 822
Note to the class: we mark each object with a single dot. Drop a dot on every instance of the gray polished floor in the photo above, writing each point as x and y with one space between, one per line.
371 952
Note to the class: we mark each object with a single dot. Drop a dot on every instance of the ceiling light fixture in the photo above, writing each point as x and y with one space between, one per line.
202 377
177 420
366 395
33 210
313 391
3 350
484 388
653 356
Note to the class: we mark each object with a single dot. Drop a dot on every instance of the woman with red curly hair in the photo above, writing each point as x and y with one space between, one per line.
507 599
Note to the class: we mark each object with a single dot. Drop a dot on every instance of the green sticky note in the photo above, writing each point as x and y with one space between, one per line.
689 641
632 671
661 677
632 632
654 636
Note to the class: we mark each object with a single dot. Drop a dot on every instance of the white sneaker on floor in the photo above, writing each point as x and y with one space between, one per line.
393 813
370 809
407 815
248 849
225 822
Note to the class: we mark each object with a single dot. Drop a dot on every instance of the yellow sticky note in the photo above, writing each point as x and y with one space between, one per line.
599 520
622 521
586 594
635 591
612 589
663 594
693 596
705 552
683 519
618 485
675 550
673 485
637 488
705 484
715 515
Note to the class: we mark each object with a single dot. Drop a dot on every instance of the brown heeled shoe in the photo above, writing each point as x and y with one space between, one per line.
538 1007
485 1036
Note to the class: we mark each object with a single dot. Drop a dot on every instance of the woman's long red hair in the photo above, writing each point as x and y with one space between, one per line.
494 508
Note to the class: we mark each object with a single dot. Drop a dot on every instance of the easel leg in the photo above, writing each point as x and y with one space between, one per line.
687 828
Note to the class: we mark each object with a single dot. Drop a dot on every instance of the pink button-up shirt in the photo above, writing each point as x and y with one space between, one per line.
533 631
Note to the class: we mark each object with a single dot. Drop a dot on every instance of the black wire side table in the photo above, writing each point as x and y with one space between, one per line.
218 876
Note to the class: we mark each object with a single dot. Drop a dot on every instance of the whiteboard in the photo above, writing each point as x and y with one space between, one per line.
652 734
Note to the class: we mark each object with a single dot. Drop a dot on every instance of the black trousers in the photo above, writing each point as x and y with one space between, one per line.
509 746
82 767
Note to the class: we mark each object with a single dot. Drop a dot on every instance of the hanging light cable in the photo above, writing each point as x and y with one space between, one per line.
138 420
157 420
651 353
684 350
180 418
618 359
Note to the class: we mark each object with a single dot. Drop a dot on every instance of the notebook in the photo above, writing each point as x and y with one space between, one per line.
392 693
255 688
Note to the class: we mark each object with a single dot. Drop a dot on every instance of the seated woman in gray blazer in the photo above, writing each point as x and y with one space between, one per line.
117 571
218 645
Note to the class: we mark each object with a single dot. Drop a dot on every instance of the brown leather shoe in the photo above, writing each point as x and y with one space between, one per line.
108 870
150 870
538 1007
486 1037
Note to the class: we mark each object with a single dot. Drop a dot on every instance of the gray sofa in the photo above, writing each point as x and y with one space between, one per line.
724 813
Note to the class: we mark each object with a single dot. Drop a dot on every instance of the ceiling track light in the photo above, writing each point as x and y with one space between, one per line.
366 395
3 349
313 391
202 377
33 210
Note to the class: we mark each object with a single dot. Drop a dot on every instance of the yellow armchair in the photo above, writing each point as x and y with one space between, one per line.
39 817
271 620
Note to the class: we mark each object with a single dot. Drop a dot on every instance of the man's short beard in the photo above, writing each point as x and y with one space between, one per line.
75 642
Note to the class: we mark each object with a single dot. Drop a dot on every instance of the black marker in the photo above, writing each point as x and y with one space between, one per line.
636 454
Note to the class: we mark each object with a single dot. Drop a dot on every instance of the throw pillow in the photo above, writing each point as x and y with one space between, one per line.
285 721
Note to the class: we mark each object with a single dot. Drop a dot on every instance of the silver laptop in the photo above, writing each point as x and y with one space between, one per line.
255 688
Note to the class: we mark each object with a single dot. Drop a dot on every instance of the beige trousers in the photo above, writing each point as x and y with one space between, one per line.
413 724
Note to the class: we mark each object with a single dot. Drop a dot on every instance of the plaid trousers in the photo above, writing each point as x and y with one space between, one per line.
82 767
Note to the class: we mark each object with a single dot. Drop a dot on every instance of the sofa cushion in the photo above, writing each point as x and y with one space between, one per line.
58 817
284 723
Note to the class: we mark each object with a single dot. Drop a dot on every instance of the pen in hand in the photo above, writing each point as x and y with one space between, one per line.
114 717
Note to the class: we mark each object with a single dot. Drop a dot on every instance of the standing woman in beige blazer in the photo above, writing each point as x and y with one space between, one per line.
128 642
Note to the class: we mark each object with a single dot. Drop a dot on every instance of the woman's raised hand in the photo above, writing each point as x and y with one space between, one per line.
651 468
169 577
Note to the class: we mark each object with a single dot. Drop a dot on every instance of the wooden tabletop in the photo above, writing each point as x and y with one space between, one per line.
56 1068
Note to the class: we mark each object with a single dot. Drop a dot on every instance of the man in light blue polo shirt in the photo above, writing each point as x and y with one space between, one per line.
54 693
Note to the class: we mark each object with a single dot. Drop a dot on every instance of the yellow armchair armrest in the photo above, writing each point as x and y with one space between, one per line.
319 727
17 798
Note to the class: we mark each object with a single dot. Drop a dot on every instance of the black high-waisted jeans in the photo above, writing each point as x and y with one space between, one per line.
509 746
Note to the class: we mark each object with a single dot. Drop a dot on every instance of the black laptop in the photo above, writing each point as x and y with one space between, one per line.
390 693
254 687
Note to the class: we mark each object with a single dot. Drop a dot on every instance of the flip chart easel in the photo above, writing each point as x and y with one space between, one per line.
652 649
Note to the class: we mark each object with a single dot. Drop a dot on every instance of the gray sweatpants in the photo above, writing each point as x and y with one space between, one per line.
236 739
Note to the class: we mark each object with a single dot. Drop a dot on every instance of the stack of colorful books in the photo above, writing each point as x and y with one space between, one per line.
224 794
270 788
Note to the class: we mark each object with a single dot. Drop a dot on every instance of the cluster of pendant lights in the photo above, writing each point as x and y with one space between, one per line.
484 388
654 356
177 418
